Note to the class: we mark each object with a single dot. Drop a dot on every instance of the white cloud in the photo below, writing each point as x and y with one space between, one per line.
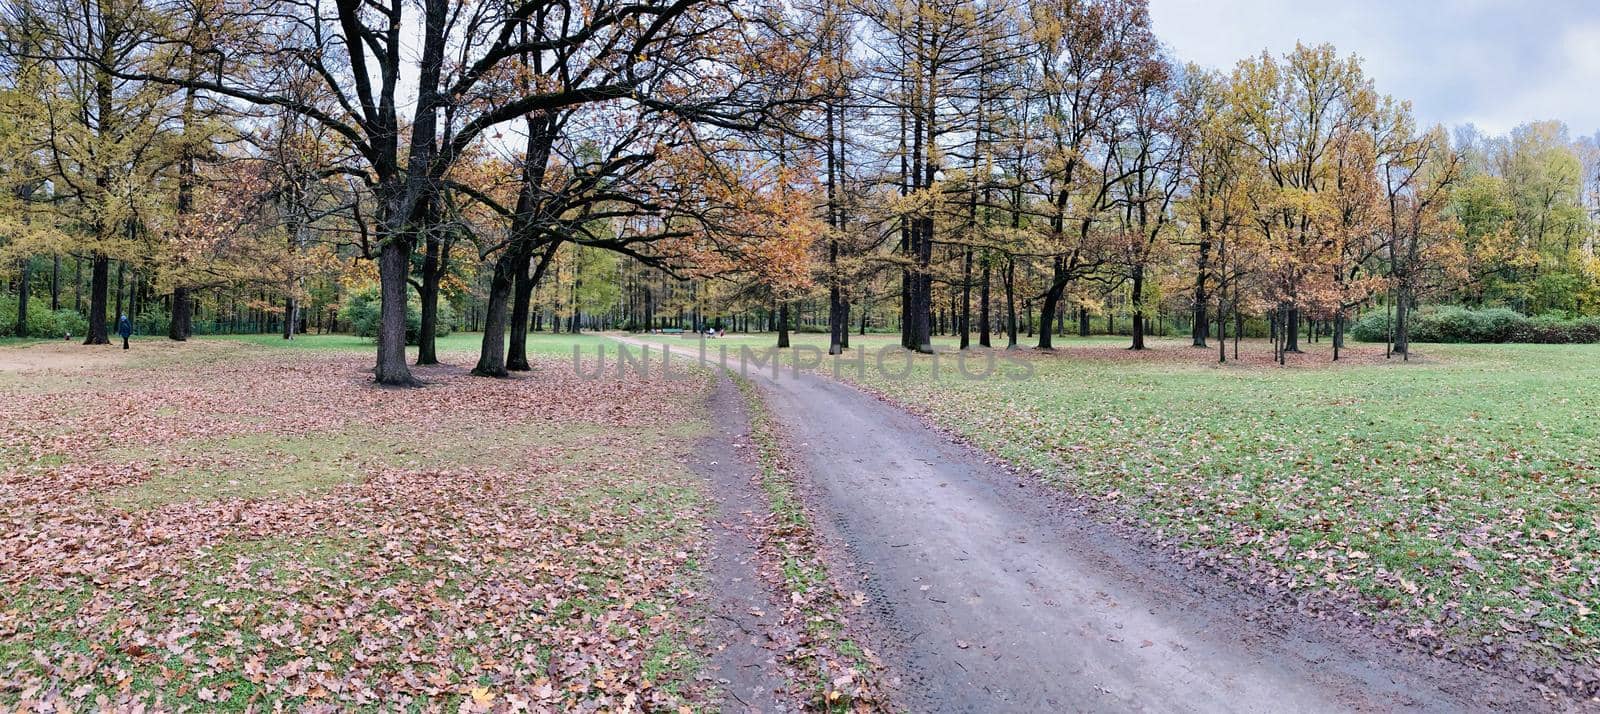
1495 63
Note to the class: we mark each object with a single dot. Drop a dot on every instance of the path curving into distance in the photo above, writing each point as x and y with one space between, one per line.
993 594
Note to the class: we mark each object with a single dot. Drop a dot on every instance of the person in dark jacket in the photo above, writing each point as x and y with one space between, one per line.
124 328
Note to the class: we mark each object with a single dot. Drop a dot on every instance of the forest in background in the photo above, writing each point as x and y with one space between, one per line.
1005 171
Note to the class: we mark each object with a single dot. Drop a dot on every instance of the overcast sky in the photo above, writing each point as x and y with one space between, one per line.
1494 63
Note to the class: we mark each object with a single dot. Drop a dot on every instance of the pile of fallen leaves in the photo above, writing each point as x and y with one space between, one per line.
496 544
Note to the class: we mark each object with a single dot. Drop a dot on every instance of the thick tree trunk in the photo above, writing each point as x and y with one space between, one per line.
178 326
1291 330
99 284
522 305
1402 323
1083 321
1138 309
783 325
394 261
291 317
1047 315
492 355
428 294
518 302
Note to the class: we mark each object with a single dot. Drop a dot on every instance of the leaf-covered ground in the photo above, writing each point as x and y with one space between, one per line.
224 526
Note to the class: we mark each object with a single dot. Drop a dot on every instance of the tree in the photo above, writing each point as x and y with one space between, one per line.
1092 57
1418 172
105 127
1149 153
1291 114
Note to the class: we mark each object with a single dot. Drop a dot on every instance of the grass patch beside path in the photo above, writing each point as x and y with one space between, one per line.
261 528
838 668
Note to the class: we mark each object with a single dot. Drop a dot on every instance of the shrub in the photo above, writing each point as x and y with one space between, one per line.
1459 324
361 310
41 321
1371 327
66 322
1553 330
152 322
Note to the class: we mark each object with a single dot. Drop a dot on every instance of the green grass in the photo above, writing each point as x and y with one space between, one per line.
20 341
1459 491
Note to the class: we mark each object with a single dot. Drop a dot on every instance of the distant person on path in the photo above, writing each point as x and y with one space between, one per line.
125 329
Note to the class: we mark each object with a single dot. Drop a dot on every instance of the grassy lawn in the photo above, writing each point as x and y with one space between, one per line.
241 524
1456 495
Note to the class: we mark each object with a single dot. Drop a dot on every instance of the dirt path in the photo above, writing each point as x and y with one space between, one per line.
995 596
67 357
744 614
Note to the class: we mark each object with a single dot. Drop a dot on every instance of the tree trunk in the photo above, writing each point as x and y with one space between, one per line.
394 261
98 286
783 325
521 305
1138 309
1047 314
966 298
984 326
844 324
178 326
492 355
1402 323
1201 324
428 295
22 297
1010 280
1338 333
1291 330
1083 320
291 317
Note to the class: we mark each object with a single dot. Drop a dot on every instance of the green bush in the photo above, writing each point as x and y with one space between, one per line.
151 322
361 311
1554 330
41 321
1458 324
1371 327
1487 325
65 322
